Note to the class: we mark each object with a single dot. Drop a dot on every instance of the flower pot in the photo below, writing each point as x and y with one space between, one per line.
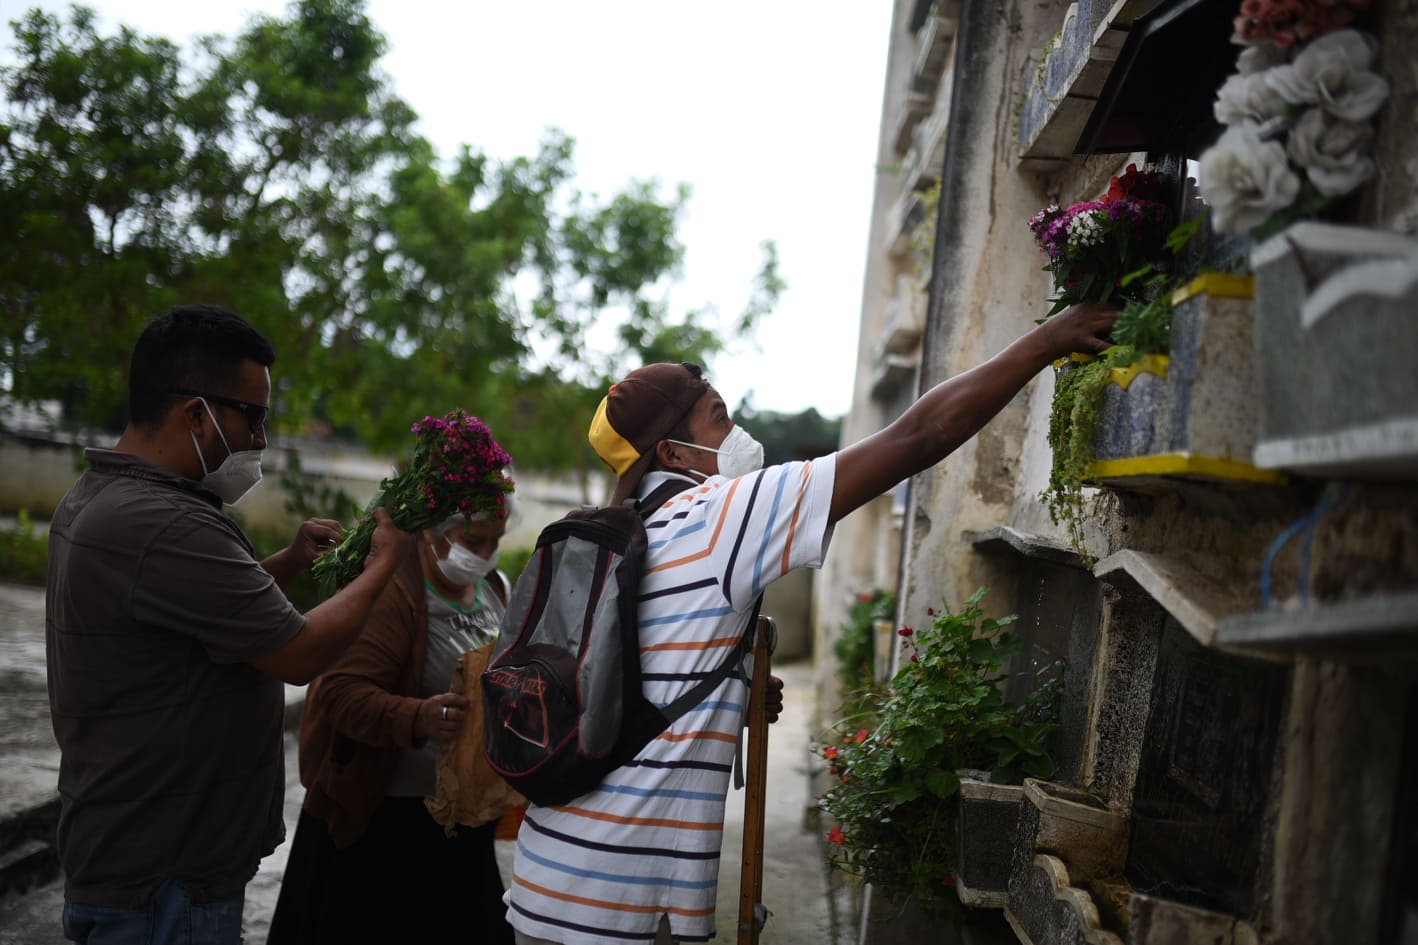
1072 825
886 920
1190 414
1156 921
1336 340
1066 837
984 840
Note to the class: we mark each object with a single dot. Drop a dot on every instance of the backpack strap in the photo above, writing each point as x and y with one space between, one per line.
709 683
659 496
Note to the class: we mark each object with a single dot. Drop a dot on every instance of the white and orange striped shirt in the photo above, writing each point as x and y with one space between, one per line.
604 868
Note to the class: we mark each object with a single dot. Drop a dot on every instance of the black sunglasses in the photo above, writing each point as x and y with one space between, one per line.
255 413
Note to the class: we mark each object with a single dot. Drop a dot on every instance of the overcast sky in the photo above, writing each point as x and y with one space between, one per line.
768 110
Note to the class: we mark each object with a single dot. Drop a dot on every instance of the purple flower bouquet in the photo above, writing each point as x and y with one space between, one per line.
1097 249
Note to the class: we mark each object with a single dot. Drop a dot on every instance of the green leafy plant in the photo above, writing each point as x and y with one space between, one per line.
896 779
24 552
513 561
1073 422
1145 327
855 649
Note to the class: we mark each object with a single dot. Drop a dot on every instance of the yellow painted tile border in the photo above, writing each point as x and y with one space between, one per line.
1217 284
1154 364
1123 376
1077 357
1183 464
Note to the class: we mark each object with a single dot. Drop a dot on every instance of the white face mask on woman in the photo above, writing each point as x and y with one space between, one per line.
463 568
234 476
739 454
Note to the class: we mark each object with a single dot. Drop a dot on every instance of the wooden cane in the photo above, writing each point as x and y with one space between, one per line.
752 914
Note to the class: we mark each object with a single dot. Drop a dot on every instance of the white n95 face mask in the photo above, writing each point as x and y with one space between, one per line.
463 568
234 476
739 454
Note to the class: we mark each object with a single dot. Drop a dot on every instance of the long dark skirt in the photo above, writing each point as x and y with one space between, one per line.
403 881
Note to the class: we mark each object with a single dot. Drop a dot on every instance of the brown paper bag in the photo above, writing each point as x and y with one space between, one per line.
469 792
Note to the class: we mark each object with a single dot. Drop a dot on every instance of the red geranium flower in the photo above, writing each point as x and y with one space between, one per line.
905 631
835 835
829 752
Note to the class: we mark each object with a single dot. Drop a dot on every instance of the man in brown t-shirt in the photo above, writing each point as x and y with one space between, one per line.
168 643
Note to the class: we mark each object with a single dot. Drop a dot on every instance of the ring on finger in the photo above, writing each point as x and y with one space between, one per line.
445 713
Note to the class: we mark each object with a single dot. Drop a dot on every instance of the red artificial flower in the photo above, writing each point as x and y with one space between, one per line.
830 752
905 631
1132 185
861 736
835 835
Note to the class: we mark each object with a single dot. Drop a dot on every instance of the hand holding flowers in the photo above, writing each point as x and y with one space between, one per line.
457 468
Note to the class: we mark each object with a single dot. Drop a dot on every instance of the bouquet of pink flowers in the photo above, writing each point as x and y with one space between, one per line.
457 468
1097 249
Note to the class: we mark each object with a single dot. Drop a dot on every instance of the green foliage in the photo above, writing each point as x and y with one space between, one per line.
513 561
1073 421
894 800
24 552
855 648
1145 327
277 173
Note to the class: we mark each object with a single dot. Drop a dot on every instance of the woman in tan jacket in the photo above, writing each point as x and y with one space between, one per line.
368 863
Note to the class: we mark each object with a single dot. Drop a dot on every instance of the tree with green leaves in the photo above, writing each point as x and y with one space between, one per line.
277 173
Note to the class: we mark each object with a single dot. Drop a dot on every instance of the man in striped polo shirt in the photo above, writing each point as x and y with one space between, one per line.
637 859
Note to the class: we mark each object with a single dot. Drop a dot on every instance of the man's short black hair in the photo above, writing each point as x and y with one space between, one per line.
200 347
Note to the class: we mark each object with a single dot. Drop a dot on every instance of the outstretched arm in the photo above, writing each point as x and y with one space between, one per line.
954 410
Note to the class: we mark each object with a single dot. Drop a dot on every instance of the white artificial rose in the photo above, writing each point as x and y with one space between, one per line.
1333 73
1247 98
1255 59
1333 152
1245 179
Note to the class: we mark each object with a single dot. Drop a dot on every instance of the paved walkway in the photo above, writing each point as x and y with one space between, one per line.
797 889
